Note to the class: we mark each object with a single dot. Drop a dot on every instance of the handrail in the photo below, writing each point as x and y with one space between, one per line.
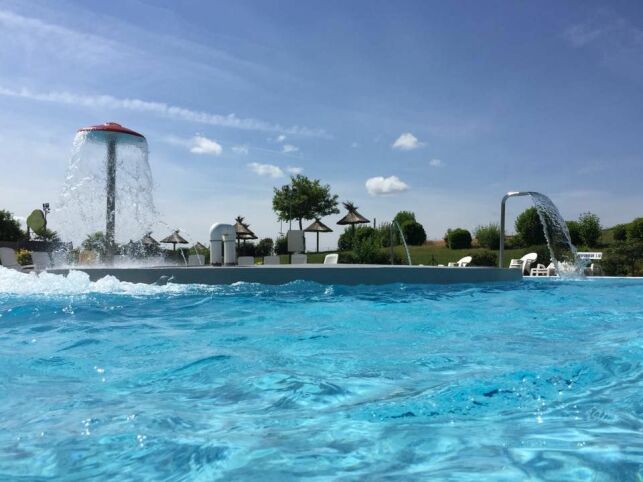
502 221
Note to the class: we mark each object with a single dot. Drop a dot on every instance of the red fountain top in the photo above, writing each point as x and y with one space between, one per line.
112 127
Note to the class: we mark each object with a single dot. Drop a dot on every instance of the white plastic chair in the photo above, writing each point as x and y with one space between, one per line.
41 260
9 260
272 260
524 263
196 260
245 261
462 263
299 259
331 258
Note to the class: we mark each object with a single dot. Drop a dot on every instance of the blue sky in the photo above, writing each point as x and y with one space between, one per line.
444 106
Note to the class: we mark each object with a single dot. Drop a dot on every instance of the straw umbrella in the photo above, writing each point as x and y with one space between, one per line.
352 217
318 227
149 241
243 231
198 246
174 239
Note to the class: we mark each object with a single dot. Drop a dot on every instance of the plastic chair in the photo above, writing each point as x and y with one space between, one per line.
9 260
299 259
331 258
272 260
462 263
245 261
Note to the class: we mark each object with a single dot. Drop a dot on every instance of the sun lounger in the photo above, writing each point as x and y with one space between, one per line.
41 260
331 258
462 263
524 263
9 260
246 261
299 259
272 260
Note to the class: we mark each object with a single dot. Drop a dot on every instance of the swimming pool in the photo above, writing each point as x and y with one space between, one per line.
541 379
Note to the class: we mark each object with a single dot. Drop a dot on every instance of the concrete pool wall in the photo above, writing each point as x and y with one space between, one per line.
345 274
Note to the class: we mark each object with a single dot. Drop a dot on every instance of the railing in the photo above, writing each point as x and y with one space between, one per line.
502 221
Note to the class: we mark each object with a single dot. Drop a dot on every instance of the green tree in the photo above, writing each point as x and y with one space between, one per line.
589 227
303 198
264 247
47 234
96 242
488 236
635 230
619 232
529 227
9 227
574 232
414 233
403 217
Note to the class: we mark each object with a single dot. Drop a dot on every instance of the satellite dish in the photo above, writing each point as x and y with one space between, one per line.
36 221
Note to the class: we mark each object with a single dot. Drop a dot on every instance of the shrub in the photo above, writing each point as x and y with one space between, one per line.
635 230
366 251
351 236
281 245
247 249
9 227
624 259
530 228
414 233
264 247
488 236
484 258
619 232
590 228
24 257
459 239
574 232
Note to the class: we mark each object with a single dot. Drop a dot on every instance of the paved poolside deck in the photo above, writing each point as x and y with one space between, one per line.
341 274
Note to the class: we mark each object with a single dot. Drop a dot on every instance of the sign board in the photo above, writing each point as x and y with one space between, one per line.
295 241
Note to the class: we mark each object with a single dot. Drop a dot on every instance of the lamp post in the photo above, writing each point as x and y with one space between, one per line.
45 211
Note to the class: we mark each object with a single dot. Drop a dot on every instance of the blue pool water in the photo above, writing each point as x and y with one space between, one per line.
539 380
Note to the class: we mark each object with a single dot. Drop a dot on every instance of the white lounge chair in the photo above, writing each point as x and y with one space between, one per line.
524 263
299 259
331 258
462 263
542 270
196 260
272 260
41 260
245 261
9 260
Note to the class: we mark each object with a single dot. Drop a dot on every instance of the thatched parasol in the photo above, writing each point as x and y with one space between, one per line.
198 246
242 229
318 227
148 240
174 239
352 217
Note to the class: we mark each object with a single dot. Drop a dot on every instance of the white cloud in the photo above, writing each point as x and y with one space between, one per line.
407 142
436 163
289 148
240 149
281 138
159 108
378 186
295 170
266 170
203 145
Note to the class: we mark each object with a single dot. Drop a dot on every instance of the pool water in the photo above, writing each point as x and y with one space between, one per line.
539 380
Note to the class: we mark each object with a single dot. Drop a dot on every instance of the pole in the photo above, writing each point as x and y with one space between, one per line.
318 241
110 214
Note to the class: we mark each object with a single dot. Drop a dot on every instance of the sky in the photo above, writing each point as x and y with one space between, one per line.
435 107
